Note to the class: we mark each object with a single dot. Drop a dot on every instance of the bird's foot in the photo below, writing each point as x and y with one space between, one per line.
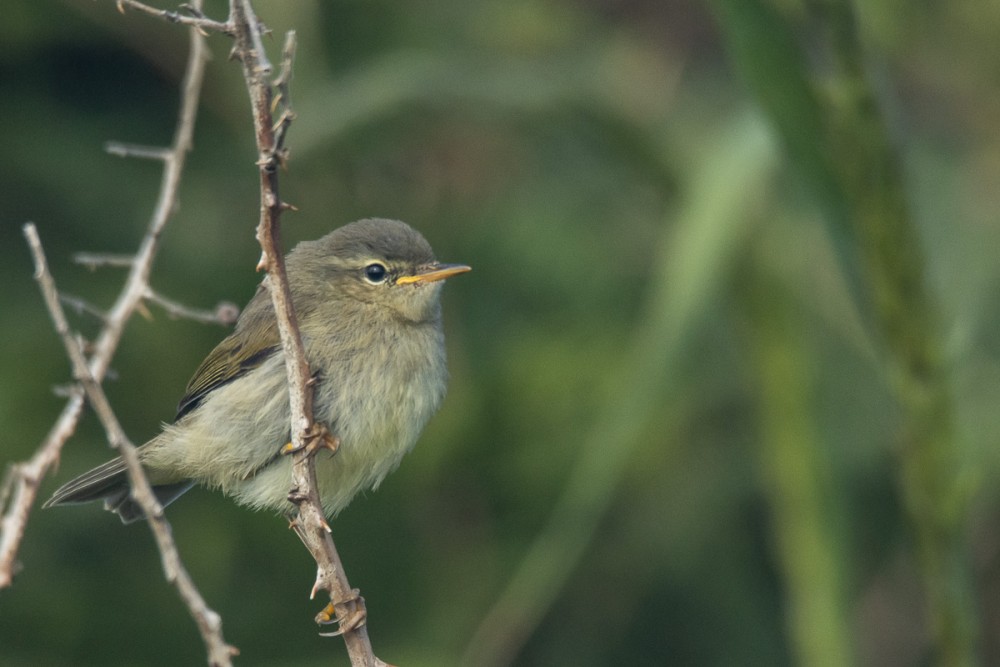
349 614
318 437
296 497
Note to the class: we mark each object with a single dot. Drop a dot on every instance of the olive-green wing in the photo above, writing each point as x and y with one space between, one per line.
253 341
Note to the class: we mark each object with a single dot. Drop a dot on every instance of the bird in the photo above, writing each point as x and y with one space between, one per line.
367 301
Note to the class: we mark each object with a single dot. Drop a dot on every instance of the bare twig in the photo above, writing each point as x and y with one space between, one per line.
194 18
225 312
141 265
345 603
27 476
283 99
119 149
346 606
83 307
97 260
208 621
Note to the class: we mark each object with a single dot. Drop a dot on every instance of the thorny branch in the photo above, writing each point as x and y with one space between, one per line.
20 494
83 307
192 17
119 149
209 622
346 606
225 312
95 260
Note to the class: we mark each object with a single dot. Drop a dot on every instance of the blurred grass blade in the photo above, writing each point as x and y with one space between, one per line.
830 122
796 468
767 56
694 260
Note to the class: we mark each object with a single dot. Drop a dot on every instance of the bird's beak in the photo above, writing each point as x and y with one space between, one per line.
432 273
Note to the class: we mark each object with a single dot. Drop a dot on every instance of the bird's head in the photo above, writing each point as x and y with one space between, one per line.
385 263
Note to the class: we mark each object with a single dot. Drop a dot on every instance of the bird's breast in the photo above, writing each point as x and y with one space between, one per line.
375 395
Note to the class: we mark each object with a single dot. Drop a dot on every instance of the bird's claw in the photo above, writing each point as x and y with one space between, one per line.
349 614
318 437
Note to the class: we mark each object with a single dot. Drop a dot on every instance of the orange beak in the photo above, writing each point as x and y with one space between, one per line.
432 273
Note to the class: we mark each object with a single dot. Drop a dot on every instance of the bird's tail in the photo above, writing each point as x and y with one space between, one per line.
109 482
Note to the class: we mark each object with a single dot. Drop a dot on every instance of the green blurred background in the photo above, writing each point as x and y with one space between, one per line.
724 378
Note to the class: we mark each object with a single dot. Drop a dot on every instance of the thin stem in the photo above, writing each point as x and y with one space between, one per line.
89 374
693 260
97 260
796 469
225 313
208 621
82 307
119 149
26 478
196 19
310 524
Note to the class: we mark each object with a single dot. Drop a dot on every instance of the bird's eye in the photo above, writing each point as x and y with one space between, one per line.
375 273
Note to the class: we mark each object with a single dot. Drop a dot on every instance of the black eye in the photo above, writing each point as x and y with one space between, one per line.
375 273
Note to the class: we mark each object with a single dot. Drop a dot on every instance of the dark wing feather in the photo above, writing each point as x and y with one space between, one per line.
253 341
